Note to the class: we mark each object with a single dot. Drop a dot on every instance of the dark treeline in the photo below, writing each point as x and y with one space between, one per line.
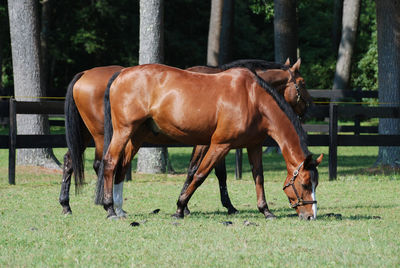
83 34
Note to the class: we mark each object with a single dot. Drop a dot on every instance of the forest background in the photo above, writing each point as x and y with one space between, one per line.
79 35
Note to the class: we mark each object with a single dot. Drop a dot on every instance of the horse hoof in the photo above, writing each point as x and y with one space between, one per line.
232 210
112 217
67 211
186 211
177 216
270 216
120 213
121 216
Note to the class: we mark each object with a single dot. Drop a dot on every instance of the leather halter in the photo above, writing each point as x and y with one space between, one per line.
300 201
298 95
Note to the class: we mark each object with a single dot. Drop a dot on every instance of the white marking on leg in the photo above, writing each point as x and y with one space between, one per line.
118 198
314 206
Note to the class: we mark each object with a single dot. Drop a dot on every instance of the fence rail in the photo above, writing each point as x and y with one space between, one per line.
330 134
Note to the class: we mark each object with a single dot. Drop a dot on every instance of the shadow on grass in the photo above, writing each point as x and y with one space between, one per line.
378 206
248 214
347 165
254 213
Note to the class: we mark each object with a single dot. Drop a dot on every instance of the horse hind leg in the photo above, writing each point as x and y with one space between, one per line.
118 191
122 169
66 184
215 153
67 174
110 162
98 154
111 158
220 172
118 188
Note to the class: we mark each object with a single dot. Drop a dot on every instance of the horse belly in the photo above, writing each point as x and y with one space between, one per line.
184 134
185 129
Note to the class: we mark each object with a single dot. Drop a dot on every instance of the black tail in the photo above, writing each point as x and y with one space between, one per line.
108 131
73 134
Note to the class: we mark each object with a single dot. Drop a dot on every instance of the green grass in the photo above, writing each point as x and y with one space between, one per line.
35 234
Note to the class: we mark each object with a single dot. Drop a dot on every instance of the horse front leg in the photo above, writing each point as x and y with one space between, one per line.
66 184
198 154
220 172
255 159
215 153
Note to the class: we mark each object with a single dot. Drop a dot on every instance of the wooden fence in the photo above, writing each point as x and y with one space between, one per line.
331 134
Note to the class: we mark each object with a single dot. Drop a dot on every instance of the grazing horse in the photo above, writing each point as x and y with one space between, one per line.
226 110
283 78
85 121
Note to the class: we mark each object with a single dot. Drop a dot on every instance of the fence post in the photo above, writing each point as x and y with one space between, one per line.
238 163
12 141
357 121
333 141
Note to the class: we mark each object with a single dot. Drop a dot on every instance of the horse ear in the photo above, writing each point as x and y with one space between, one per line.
308 161
287 62
296 66
319 159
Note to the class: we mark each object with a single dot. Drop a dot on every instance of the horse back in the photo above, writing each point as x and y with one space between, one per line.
189 107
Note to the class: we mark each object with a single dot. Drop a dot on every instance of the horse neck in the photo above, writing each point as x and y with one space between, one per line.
281 129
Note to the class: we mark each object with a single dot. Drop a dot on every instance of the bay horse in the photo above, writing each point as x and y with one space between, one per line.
85 121
226 110
283 78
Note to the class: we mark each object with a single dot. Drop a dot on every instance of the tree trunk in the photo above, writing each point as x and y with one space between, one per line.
44 37
1 65
388 26
151 160
226 39
25 49
285 30
351 13
337 24
220 34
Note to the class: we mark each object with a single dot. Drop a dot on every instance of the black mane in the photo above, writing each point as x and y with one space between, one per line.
288 111
253 64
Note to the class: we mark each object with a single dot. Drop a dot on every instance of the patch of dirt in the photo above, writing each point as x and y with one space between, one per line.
383 170
38 170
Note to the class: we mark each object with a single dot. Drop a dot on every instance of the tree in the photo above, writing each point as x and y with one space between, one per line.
151 36
3 42
388 26
285 30
351 13
337 24
220 32
44 47
25 49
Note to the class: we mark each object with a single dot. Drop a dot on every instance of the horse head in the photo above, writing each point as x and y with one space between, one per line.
300 188
289 83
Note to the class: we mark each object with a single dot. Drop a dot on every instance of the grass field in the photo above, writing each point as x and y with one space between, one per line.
358 222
